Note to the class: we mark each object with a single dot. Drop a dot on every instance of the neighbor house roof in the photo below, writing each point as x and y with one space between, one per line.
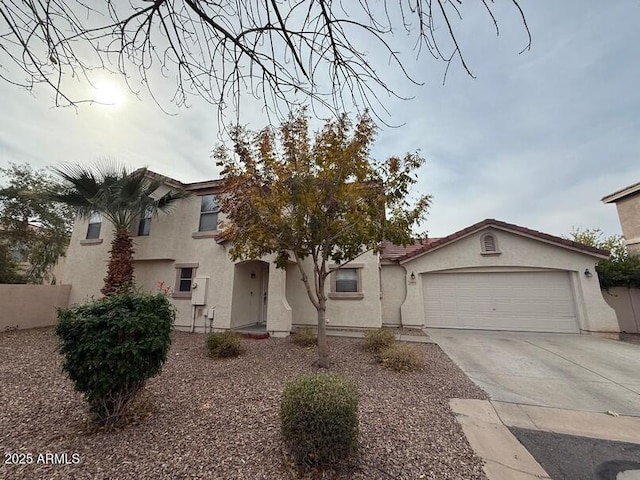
401 254
622 193
185 186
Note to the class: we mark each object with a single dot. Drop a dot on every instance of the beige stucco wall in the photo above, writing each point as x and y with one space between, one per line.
626 302
85 265
394 290
30 306
363 312
629 214
174 239
518 252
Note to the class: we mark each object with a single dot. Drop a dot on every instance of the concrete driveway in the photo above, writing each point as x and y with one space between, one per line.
564 371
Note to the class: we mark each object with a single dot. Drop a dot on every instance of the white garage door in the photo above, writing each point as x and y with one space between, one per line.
524 301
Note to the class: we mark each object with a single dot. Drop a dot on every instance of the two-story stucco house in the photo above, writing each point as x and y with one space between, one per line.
627 201
491 275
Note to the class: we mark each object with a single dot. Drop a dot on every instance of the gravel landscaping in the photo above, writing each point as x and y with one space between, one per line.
218 419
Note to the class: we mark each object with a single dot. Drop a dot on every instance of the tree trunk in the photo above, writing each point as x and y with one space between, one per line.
120 270
323 347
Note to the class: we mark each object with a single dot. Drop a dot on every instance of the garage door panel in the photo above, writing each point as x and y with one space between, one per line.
522 301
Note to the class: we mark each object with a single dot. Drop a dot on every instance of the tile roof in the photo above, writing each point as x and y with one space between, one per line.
396 253
185 186
393 252
620 194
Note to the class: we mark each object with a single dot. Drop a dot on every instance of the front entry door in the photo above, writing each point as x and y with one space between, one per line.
264 283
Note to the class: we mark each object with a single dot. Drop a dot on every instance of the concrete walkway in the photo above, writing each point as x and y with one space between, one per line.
361 333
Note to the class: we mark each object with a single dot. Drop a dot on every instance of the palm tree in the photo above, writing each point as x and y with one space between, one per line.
121 197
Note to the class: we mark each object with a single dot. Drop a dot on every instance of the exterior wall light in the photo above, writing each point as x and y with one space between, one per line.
587 273
413 277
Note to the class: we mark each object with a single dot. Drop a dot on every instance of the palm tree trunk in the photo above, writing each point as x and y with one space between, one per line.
120 270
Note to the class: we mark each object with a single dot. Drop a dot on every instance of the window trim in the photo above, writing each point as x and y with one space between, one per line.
214 211
483 244
146 217
179 266
92 221
358 295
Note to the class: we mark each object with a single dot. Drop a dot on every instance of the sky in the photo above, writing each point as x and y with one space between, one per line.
536 139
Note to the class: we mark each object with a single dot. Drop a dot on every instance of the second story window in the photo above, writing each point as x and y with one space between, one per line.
209 209
144 226
95 222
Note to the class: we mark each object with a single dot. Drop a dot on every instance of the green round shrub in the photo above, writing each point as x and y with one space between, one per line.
112 346
305 337
376 340
402 358
319 419
224 344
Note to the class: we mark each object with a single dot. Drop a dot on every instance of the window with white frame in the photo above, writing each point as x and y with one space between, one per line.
95 223
209 209
144 225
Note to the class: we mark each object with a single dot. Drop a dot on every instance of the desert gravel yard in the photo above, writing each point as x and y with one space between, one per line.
218 419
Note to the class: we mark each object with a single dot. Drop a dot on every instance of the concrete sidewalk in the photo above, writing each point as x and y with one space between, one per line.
485 424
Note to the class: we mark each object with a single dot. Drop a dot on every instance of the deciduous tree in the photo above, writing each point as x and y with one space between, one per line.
37 232
620 269
325 200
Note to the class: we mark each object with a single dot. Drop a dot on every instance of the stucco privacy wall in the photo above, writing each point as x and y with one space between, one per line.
517 251
31 306
626 302
344 312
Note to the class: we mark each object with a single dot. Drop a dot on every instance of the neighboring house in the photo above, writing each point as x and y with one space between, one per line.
492 275
627 202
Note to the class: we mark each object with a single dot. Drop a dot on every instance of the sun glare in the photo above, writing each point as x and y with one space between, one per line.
108 93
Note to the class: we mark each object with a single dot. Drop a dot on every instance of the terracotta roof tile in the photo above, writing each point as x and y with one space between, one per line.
393 252
398 255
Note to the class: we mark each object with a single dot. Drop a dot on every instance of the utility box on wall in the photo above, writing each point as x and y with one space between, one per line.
199 291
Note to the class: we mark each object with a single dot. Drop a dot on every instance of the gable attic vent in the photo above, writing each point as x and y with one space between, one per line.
489 244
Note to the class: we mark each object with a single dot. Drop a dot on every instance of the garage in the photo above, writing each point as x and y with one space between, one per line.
533 301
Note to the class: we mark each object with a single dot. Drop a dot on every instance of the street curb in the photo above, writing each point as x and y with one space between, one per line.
503 456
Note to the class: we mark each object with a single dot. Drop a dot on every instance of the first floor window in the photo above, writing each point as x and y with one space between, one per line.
347 280
95 222
186 277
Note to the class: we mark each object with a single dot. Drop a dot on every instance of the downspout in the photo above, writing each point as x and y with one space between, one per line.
193 319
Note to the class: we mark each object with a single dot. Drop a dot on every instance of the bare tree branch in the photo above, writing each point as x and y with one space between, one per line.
282 52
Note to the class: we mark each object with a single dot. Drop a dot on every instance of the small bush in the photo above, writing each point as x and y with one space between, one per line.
224 344
402 358
377 340
305 337
319 419
112 346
